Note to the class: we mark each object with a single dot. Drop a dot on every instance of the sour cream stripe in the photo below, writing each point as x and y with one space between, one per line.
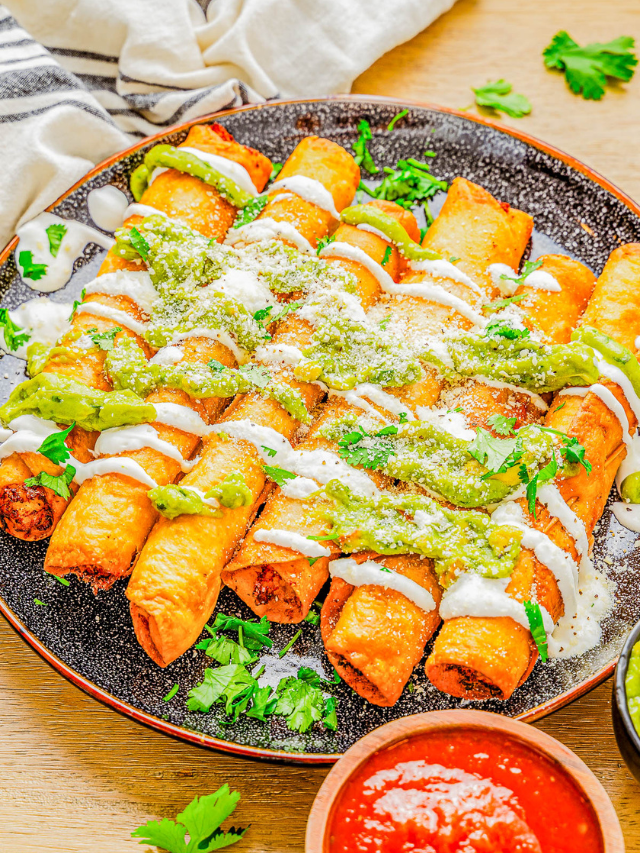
267 228
310 190
610 401
181 417
113 314
236 172
136 285
295 541
355 253
124 439
372 573
445 269
616 375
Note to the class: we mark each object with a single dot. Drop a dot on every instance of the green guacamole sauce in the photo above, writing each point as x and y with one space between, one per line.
174 500
184 161
613 352
632 686
366 214
62 400
456 540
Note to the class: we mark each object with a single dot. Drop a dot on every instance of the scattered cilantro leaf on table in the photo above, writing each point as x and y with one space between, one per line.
500 97
277 168
201 820
587 68
29 269
55 233
396 119
14 336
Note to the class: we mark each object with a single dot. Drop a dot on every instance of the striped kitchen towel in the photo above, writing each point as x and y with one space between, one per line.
82 79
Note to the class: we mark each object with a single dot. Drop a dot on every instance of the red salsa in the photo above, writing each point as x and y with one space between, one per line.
469 792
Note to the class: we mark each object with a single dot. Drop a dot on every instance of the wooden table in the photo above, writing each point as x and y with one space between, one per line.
75 777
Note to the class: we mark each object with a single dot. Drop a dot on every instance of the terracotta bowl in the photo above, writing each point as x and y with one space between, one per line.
321 817
626 735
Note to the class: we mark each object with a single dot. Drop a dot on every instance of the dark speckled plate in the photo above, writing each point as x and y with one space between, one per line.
90 639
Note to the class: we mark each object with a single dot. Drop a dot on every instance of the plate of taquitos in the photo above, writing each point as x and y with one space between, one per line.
320 423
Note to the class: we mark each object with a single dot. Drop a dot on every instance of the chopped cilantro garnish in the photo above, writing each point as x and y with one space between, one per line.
77 302
254 633
312 616
171 693
55 233
500 329
59 485
40 603
539 478
256 374
104 340
561 406
54 447
498 96
387 256
324 241
300 700
410 183
269 451
215 365
536 624
403 417
278 475
286 309
373 454
201 820
29 269
527 268
587 68
330 719
14 336
262 313
58 578
385 322
289 645
277 168
361 152
397 118
139 243
498 304
494 453
501 424
251 210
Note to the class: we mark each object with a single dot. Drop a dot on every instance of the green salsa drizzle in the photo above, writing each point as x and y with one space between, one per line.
169 157
632 686
366 214
62 400
456 540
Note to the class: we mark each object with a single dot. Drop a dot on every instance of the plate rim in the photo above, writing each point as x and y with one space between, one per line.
200 738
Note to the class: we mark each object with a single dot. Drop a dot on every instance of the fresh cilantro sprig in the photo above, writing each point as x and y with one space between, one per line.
250 211
536 625
77 302
499 96
104 340
587 68
374 454
527 268
278 475
396 119
139 243
362 156
496 454
409 184
502 424
215 365
324 241
200 820
14 336
277 168
499 304
54 447
256 374
30 270
498 328
55 233
59 485
387 256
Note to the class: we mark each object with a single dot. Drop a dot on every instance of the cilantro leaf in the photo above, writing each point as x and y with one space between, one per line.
498 96
361 152
254 633
227 651
278 475
498 304
59 485
262 313
496 454
104 340
300 700
573 451
374 454
215 684
171 693
286 309
410 183
536 625
501 424
263 703
14 336
587 68
258 375
201 820
542 476
396 119
29 269
324 241
312 616
330 719
269 450
403 417
277 168
527 268
387 256
385 322
139 243
55 233
497 328
215 365
54 447
251 210
77 302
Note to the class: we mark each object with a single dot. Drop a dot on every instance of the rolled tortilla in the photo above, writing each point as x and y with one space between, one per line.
479 658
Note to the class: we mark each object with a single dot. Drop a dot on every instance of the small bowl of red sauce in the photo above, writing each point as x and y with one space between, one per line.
462 780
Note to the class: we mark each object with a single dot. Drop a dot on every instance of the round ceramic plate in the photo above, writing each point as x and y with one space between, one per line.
90 639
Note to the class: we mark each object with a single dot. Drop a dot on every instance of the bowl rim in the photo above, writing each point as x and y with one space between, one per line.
200 738
619 687
457 719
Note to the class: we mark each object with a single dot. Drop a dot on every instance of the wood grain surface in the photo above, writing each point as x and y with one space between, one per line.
75 777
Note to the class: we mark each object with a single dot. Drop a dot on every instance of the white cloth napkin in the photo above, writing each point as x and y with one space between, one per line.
82 79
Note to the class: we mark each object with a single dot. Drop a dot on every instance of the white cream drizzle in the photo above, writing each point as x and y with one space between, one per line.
454 423
136 285
371 573
314 466
610 401
106 207
138 209
220 335
628 515
437 293
538 279
355 253
32 237
284 354
123 439
181 417
473 595
372 230
267 228
620 378
167 355
295 541
111 313
549 495
246 287
445 269
536 399
310 190
559 563
575 635
156 173
236 172
356 397
43 320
